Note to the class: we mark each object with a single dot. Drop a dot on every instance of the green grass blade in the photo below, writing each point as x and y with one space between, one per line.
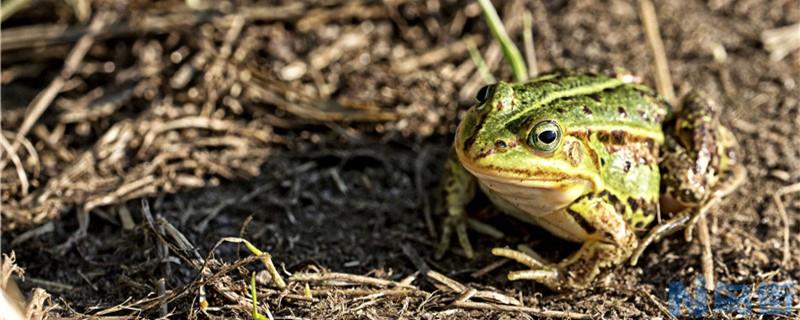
510 50
256 314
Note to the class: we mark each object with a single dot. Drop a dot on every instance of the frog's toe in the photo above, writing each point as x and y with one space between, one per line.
485 228
540 271
459 224
463 239
542 276
521 257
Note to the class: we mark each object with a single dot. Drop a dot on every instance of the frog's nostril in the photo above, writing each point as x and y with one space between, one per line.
500 144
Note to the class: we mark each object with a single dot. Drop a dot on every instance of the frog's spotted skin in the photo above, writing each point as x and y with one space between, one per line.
610 137
575 154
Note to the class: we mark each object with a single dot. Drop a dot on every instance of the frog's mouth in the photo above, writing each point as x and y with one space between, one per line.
551 174
539 178
533 193
538 188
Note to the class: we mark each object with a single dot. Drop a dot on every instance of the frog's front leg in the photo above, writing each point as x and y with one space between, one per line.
459 189
610 243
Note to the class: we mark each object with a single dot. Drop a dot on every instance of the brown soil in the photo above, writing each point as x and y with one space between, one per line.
347 109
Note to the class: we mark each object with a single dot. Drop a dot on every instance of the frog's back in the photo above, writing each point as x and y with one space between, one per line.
592 101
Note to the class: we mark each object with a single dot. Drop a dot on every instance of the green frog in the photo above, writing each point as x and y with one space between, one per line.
592 159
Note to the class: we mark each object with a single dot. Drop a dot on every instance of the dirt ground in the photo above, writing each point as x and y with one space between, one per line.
317 131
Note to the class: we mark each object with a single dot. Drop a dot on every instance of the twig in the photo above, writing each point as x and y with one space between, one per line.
465 291
345 277
10 7
480 64
162 249
360 293
527 38
52 285
38 35
419 164
36 232
780 42
436 55
707 257
794 188
12 154
650 24
666 89
489 268
509 49
658 304
529 310
42 101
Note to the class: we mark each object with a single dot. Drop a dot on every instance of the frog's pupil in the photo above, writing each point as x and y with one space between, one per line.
547 136
483 93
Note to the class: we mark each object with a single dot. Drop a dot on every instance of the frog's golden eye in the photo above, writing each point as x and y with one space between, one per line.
484 93
545 136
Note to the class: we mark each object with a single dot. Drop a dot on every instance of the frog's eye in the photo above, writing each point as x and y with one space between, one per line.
545 136
484 93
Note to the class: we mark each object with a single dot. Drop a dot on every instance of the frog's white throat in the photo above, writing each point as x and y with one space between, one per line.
535 198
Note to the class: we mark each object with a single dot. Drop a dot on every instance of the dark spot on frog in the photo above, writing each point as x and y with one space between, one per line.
595 97
618 205
585 225
621 111
603 162
560 110
499 106
468 143
603 136
649 208
586 110
627 166
618 137
651 146
474 133
484 153
633 203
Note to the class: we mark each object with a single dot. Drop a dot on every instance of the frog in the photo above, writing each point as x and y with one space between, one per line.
592 159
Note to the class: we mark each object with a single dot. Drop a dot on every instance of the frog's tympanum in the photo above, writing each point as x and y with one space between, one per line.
592 159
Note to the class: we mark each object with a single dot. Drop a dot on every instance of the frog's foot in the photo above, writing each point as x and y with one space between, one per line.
459 223
540 271
575 272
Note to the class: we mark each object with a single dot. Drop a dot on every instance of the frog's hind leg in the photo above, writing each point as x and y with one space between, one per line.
690 156
699 168
733 180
